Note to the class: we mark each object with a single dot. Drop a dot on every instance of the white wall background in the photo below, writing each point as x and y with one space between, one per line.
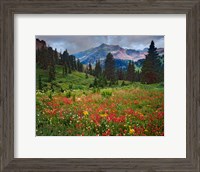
172 145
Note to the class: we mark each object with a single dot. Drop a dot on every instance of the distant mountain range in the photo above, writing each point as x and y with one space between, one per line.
121 55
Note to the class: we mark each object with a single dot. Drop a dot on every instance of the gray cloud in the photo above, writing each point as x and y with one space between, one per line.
74 43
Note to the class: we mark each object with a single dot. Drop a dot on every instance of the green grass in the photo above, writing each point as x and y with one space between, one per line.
78 83
75 80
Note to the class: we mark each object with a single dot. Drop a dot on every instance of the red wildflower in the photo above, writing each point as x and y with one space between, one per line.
67 101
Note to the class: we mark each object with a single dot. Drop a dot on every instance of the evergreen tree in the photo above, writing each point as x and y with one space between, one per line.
40 82
69 61
86 75
56 56
97 70
79 66
120 74
123 83
105 80
131 71
95 84
73 62
51 72
149 73
137 76
110 67
65 56
90 69
64 59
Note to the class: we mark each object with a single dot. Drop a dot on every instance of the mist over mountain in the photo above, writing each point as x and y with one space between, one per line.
121 55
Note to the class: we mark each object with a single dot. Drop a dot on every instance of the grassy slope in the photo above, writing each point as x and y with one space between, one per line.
78 81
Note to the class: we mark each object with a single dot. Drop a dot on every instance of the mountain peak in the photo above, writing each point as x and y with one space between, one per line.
110 46
100 53
103 45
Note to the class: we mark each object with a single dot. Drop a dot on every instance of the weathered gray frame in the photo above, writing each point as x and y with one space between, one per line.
10 7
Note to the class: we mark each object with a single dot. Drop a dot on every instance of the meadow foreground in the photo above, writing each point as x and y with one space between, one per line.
133 110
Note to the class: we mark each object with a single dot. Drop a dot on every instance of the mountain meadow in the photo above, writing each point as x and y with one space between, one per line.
103 91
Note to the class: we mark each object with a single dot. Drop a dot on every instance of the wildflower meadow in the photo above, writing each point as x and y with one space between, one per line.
93 87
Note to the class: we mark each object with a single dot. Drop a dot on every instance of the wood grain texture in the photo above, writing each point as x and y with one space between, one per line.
10 7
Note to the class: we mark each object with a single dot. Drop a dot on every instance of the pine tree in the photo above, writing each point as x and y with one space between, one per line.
131 71
123 83
69 61
86 75
137 76
65 56
95 84
56 56
73 59
97 70
149 73
51 72
120 74
90 69
79 66
64 59
40 82
110 67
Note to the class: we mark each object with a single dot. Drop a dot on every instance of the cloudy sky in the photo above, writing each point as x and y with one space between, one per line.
76 43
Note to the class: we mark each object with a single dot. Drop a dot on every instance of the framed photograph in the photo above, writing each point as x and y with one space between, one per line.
124 86
99 85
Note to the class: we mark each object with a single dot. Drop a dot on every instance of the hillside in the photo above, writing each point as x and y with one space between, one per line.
75 80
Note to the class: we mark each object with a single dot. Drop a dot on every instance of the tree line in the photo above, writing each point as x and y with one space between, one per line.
47 58
152 70
70 63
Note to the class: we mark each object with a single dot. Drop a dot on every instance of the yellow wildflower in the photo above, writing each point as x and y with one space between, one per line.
131 131
85 113
104 115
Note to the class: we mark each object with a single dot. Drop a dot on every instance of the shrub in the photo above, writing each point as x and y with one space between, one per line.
106 93
123 83
68 94
70 87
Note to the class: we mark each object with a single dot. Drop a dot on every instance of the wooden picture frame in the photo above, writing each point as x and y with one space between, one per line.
8 8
